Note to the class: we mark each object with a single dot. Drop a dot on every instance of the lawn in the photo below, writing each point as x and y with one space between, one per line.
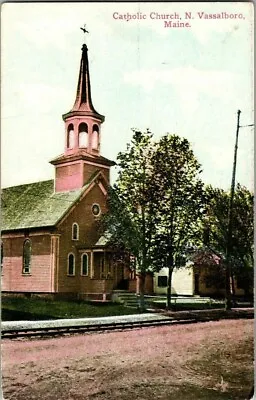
20 308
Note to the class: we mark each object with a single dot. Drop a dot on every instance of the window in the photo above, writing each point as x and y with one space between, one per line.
162 281
26 257
71 264
96 209
83 135
70 136
95 137
84 264
75 231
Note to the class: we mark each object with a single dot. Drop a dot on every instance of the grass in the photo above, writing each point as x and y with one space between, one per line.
19 308
22 308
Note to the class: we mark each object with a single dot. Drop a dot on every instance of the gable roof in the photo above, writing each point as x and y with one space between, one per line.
36 205
104 239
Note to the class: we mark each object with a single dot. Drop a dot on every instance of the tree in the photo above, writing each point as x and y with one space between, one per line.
241 242
178 201
156 204
130 219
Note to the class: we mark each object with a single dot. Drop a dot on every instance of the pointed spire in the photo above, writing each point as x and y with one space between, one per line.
83 95
83 103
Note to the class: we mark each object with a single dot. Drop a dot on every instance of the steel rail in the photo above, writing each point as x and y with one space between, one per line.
14 332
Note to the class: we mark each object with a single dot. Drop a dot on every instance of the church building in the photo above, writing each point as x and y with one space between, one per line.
51 243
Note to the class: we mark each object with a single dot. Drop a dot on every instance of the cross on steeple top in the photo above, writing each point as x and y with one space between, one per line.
85 31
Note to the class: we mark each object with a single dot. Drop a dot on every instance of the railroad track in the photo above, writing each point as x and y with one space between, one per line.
28 332
30 329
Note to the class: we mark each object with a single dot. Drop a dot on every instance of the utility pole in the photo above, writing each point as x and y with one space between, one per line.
229 273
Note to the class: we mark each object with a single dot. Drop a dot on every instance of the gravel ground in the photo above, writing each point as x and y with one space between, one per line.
203 361
80 321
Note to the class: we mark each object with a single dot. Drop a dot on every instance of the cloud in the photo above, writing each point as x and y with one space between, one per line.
37 98
188 77
189 83
51 24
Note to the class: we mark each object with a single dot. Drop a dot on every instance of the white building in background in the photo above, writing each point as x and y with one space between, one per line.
183 282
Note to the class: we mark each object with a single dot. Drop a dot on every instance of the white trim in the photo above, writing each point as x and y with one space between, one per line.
96 204
30 257
102 188
82 255
54 271
97 164
92 266
73 266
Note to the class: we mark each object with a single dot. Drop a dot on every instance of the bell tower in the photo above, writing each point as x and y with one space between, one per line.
81 156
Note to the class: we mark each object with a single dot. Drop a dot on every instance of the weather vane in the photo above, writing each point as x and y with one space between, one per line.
85 31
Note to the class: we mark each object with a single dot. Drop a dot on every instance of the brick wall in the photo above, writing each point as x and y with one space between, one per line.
88 235
74 175
89 169
50 254
39 278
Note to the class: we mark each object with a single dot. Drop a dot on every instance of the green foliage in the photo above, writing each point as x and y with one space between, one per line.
157 202
130 219
179 200
216 229
216 222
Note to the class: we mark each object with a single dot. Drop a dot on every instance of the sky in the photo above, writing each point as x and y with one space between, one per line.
188 80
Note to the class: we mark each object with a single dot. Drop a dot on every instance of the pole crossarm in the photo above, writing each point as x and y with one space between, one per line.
244 126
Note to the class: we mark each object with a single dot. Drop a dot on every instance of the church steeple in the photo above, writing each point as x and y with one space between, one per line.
81 156
83 121
83 104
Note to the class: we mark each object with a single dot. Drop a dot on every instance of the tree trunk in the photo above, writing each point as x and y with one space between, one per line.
233 289
169 288
142 279
228 299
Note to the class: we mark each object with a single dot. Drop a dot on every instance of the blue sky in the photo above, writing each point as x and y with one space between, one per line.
189 81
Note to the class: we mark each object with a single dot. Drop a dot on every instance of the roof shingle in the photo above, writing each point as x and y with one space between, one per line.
35 205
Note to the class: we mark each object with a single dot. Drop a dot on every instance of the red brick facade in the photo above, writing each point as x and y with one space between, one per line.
50 251
40 279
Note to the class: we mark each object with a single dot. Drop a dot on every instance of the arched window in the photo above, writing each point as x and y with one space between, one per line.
71 264
84 264
26 269
83 135
70 137
75 231
95 137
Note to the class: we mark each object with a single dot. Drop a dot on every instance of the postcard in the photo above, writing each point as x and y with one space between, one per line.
115 95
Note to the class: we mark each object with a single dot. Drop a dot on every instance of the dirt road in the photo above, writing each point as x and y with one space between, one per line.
203 361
